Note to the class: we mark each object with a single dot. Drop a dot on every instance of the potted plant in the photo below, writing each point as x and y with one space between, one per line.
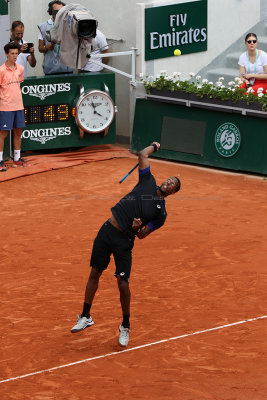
202 91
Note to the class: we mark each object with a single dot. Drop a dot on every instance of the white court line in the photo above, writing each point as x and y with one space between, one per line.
132 349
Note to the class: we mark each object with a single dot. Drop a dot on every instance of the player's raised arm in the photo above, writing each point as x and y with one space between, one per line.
145 153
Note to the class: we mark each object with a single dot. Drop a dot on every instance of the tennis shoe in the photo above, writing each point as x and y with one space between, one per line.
82 323
2 166
20 163
124 336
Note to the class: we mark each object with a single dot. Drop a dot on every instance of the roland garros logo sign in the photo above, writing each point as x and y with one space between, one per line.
227 139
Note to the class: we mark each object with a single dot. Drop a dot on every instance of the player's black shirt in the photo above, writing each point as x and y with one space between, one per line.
142 202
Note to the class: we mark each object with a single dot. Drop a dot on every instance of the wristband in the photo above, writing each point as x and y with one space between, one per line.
155 147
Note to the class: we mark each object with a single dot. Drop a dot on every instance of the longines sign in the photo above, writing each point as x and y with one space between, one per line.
44 135
182 26
42 91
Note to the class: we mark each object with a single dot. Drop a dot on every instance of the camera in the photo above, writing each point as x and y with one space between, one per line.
74 20
29 45
74 30
86 28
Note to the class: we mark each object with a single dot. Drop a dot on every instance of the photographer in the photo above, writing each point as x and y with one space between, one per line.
100 46
26 53
51 51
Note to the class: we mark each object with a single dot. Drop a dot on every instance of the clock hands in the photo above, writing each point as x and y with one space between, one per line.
94 107
95 112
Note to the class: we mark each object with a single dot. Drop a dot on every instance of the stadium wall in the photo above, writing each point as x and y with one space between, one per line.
227 21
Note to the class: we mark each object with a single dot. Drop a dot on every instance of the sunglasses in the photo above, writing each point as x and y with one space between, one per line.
251 41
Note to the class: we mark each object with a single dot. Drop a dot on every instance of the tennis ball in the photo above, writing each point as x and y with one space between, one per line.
177 52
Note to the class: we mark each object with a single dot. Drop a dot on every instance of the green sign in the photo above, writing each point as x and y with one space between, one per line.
3 7
227 139
49 113
178 26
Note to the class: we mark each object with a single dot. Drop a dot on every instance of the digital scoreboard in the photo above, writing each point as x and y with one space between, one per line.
49 107
46 113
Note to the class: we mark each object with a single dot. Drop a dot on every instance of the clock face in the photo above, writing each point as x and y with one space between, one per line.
94 111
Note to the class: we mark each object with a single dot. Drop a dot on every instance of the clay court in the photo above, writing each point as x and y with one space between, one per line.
198 311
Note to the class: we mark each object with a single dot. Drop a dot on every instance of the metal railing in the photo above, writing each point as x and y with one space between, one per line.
133 52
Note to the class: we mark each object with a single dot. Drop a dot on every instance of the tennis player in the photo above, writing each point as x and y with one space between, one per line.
139 213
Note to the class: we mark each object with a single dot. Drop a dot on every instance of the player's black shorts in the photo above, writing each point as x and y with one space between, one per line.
110 240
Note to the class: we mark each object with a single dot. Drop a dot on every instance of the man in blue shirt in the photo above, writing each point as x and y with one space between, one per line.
138 213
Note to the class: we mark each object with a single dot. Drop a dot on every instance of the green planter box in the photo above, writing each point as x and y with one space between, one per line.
192 100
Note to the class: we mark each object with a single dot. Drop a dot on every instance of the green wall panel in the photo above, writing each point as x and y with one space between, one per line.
251 155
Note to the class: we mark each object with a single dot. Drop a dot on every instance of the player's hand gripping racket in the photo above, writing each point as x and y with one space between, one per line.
156 146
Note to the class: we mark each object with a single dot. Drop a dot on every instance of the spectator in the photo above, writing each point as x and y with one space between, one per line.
253 65
11 104
100 46
51 63
17 31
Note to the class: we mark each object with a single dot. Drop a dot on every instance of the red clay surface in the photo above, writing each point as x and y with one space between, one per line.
38 163
205 268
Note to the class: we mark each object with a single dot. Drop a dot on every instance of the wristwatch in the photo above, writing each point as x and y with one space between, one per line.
94 111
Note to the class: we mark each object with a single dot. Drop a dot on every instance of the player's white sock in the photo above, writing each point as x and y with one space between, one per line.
16 155
1 155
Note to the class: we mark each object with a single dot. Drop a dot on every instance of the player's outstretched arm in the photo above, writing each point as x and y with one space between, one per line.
145 153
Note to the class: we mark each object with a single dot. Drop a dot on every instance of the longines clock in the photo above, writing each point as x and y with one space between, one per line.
94 111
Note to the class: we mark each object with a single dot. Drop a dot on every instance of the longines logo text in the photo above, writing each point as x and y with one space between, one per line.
42 91
43 135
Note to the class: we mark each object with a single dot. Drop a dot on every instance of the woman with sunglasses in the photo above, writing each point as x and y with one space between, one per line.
253 65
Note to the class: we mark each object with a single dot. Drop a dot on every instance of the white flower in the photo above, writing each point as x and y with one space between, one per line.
199 87
191 74
210 83
221 78
231 83
141 75
260 90
219 84
204 80
260 94
250 90
237 79
198 77
223 87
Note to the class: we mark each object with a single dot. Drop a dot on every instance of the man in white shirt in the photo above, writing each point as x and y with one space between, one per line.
17 32
100 46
